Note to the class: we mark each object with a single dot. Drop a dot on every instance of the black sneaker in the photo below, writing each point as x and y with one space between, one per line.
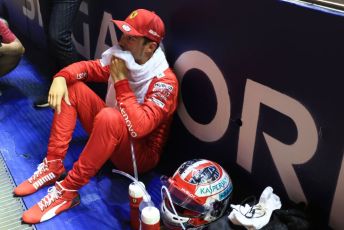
41 104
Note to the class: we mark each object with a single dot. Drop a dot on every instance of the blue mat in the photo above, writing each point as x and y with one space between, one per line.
24 133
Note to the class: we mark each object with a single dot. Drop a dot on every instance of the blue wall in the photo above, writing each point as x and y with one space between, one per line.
261 89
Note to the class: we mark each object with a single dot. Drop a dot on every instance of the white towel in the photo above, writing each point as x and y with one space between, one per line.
257 216
139 77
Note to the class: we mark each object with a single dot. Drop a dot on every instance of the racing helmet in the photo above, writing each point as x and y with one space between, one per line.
200 191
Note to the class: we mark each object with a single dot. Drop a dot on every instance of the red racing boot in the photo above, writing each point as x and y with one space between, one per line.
56 201
47 173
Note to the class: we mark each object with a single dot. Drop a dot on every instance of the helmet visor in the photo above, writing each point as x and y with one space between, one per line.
184 203
180 210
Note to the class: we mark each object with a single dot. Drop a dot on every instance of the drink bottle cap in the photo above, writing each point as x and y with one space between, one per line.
150 215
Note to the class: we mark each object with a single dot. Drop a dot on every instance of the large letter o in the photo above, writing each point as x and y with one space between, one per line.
214 130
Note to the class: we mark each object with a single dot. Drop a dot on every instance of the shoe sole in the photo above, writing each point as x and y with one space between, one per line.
45 105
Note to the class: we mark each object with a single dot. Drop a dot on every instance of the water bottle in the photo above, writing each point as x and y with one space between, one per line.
135 197
150 218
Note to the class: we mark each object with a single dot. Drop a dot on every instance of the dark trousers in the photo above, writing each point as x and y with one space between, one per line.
58 17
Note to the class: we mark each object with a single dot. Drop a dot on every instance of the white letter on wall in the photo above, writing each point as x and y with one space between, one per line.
39 14
218 126
284 156
31 13
106 24
336 218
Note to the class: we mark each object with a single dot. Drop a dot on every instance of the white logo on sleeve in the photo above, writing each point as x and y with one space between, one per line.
158 102
81 75
159 86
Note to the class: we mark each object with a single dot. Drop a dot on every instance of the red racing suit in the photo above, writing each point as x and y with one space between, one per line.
111 130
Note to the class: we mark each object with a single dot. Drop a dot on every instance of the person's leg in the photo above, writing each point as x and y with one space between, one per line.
8 63
84 103
147 155
60 31
109 132
45 8
109 139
